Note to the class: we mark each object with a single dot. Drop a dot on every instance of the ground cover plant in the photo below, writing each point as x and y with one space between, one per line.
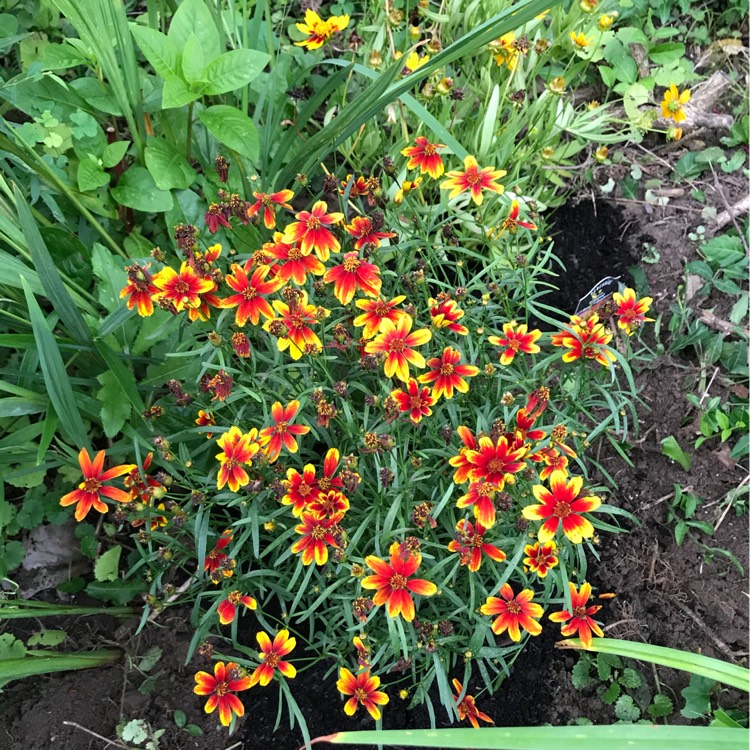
282 337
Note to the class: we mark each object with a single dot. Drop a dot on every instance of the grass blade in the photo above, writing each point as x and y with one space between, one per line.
17 669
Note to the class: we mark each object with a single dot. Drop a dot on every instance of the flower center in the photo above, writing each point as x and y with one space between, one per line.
182 287
231 464
485 489
318 533
514 607
313 223
91 484
294 253
324 483
415 402
495 465
304 489
249 293
398 582
473 177
271 659
561 509
477 541
579 612
446 369
221 689
397 346
430 150
351 264
360 694
674 105
282 427
381 309
235 597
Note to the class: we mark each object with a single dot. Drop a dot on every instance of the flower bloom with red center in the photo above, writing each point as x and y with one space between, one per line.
496 463
540 557
516 338
580 620
220 686
562 504
362 228
417 401
88 494
294 264
446 374
375 312
461 462
512 222
328 504
249 300
467 708
395 341
282 433
351 275
139 290
631 313
236 449
228 608
300 488
268 203
553 461
474 180
316 535
446 314
480 496
364 691
271 657
470 545
360 186
311 231
585 338
425 156
217 557
392 581
329 480
514 612
319 31
182 289
295 320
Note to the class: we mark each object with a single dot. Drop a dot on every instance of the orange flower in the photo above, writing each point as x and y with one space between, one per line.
328 504
249 299
366 234
364 691
631 314
89 492
220 686
376 311
414 400
237 449
206 419
511 223
228 608
580 620
447 374
585 338
311 231
513 612
445 314
282 433
516 339
267 203
466 707
300 488
295 264
351 275
395 342
207 300
182 289
271 657
562 504
480 496
497 462
425 156
470 545
473 179
393 584
139 290
329 480
216 559
461 461
316 534
296 318
540 557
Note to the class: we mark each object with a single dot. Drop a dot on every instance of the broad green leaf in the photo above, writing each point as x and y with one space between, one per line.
167 165
697 697
61 57
233 128
626 710
47 638
192 60
232 70
113 153
90 175
666 53
660 706
177 93
11 647
192 16
107 565
120 592
671 448
16 669
138 190
115 404
158 49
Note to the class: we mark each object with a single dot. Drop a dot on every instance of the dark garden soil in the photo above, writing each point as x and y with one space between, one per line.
670 595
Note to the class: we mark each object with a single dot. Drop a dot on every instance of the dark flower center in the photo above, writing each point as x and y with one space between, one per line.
561 509
398 582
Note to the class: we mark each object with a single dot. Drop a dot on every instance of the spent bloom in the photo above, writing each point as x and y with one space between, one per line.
473 179
282 432
580 620
516 338
673 103
364 691
271 657
467 708
631 312
220 687
424 155
513 612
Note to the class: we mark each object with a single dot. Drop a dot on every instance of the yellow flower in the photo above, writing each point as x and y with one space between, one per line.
319 31
406 187
504 51
674 134
601 154
413 62
606 21
588 6
580 40
673 102
557 85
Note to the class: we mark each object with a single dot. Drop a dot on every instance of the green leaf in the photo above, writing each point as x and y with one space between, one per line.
180 718
192 60
108 565
136 731
697 697
62 57
90 175
177 93
660 706
167 165
11 555
159 50
86 533
115 405
666 53
193 16
120 592
626 710
11 647
671 448
114 153
581 674
630 678
47 638
138 190
233 128
232 70
611 694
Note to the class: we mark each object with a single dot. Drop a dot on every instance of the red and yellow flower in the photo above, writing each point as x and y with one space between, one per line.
311 231
631 312
406 187
396 342
562 504
216 559
329 480
513 612
182 289
415 400
446 314
467 708
295 320
271 657
540 557
316 535
301 489
365 233
268 203
351 275
228 608
328 504
585 338
512 222
392 581
461 461
375 312
364 691
282 432
319 31
89 493
446 374
473 179
139 290
480 496
496 462
206 419
293 263
516 338
221 686
424 155
249 299
237 449
470 545
553 461
580 620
